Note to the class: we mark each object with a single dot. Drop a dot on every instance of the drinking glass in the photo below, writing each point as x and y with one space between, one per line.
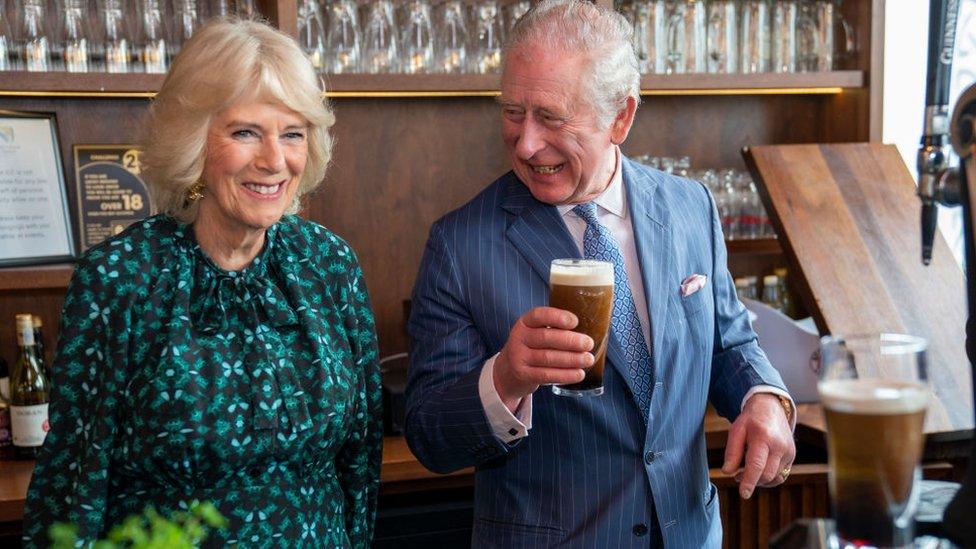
152 47
584 287
380 38
754 25
35 47
114 47
784 35
187 22
417 39
311 32
823 17
452 38
513 12
6 40
723 36
650 34
245 9
874 394
487 50
222 8
74 36
808 38
342 43
686 36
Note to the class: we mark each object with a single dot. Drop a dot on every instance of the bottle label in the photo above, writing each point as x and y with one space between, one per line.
29 424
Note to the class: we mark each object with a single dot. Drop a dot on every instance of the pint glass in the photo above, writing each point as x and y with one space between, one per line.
584 287
874 394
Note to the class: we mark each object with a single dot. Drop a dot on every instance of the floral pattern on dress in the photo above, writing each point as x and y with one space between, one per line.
175 380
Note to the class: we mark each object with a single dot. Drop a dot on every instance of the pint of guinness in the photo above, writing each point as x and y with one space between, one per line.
584 287
874 397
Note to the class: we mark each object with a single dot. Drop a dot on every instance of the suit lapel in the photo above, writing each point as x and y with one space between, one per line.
540 235
651 221
537 232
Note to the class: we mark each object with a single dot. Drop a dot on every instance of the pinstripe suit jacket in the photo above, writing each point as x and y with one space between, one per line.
590 470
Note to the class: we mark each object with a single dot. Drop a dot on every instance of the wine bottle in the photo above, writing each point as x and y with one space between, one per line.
4 404
28 394
39 347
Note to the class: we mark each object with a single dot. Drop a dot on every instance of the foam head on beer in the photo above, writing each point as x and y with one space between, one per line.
874 396
581 272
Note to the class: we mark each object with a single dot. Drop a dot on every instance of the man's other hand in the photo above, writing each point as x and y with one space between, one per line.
541 350
763 435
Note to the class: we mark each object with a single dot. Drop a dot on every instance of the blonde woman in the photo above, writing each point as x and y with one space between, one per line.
223 350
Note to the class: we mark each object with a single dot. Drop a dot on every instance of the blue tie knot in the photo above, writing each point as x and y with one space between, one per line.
587 211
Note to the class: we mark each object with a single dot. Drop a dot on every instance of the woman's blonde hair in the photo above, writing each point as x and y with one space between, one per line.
226 60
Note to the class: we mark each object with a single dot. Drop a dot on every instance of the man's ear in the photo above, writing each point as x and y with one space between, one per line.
622 122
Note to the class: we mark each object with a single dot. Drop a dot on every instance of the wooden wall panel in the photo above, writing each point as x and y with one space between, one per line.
712 130
399 164
46 303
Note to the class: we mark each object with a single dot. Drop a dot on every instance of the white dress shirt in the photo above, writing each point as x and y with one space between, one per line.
612 213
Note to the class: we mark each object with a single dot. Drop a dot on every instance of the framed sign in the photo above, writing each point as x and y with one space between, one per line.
35 224
111 192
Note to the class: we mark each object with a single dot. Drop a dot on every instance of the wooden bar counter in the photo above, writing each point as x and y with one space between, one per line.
747 523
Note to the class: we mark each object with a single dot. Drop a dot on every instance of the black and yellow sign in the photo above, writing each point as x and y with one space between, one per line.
111 192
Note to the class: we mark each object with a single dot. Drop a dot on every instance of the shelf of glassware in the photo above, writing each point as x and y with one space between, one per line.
134 84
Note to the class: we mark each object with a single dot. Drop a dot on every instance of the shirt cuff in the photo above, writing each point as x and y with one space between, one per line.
775 391
506 426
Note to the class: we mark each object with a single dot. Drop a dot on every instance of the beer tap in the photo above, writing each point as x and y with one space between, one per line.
933 159
940 184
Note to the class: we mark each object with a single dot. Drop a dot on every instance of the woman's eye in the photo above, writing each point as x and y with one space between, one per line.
295 136
245 133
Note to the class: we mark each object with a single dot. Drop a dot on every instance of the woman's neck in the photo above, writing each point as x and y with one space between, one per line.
230 249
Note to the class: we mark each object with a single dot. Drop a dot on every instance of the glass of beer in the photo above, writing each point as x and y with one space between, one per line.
584 287
874 394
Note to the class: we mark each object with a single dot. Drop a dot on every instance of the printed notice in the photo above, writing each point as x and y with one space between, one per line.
111 192
34 220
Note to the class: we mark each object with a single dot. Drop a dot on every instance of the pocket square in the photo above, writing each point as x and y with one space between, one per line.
692 284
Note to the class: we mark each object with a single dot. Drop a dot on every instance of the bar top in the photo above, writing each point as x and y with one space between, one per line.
401 472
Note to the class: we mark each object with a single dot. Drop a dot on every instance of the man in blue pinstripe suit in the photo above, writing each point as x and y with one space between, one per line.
598 471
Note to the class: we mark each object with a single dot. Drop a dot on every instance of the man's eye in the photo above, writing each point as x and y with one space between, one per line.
514 113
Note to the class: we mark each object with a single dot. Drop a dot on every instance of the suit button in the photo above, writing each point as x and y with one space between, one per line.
640 530
649 457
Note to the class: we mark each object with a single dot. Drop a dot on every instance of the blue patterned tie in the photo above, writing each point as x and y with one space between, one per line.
599 244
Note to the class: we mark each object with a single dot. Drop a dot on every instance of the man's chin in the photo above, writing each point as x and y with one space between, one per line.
554 193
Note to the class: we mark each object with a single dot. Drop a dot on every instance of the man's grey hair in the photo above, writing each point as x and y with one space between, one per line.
601 35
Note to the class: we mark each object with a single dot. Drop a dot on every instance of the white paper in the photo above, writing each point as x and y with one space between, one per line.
33 220
789 347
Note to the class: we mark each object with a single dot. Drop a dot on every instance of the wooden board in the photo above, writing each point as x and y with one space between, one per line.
848 220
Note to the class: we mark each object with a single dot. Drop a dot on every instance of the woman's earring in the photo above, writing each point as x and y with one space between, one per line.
196 191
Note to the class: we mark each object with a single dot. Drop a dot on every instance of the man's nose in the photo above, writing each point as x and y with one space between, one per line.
271 157
530 139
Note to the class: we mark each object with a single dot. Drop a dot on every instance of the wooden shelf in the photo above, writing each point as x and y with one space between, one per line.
92 84
41 277
765 83
137 85
758 246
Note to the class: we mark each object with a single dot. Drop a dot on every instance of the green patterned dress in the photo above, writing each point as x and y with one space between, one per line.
175 380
